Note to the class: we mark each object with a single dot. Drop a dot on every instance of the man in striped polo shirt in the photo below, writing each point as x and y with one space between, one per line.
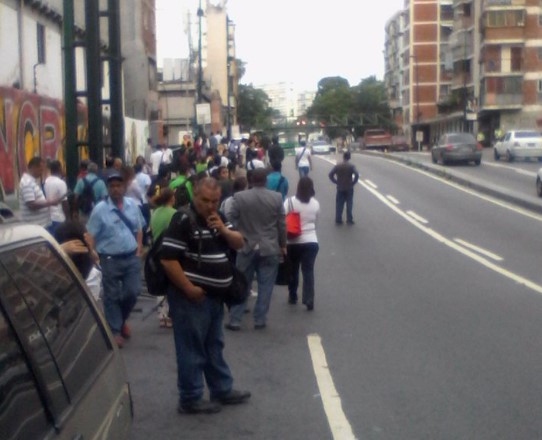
32 202
194 254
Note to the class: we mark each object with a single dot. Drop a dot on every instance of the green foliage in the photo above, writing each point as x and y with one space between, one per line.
253 111
341 107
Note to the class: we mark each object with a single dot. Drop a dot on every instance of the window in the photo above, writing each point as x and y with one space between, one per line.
539 86
21 411
505 18
59 327
40 33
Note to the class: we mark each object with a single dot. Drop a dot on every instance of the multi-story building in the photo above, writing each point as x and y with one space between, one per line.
138 38
473 65
32 107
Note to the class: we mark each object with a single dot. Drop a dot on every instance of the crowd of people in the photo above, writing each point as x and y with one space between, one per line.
213 205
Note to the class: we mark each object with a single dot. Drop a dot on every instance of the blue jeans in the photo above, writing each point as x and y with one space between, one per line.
304 255
303 171
266 269
343 197
199 343
122 285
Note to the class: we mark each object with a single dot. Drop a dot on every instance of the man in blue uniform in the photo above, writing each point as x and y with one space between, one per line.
116 230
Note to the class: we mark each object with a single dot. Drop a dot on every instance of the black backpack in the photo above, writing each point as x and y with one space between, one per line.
182 195
86 201
155 275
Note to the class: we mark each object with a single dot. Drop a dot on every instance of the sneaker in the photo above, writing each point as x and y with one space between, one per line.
234 397
199 407
125 331
259 326
351 222
233 327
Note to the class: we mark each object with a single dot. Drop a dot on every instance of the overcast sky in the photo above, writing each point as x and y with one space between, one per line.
301 41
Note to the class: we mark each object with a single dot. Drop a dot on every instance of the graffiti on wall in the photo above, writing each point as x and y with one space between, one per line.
30 125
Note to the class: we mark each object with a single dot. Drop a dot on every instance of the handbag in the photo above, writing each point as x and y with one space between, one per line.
284 274
293 221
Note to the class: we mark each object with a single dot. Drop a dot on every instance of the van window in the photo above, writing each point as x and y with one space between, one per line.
61 316
21 410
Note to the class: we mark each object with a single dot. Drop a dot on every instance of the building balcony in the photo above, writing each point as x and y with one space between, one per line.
502 100
503 4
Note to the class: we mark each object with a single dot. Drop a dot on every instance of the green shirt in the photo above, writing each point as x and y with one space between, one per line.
160 219
179 181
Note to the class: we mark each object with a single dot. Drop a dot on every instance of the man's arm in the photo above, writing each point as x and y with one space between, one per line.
355 174
333 175
178 278
233 238
281 227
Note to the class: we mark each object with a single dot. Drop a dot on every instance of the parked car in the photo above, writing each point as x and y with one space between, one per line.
320 147
539 182
61 375
457 147
515 144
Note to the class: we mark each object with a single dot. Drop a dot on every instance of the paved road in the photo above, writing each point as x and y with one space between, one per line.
428 314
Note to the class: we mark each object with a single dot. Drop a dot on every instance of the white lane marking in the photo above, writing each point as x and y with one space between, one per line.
517 170
478 249
417 217
392 199
340 427
487 198
368 182
483 261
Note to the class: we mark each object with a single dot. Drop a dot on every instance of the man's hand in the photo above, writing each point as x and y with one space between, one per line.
215 222
195 293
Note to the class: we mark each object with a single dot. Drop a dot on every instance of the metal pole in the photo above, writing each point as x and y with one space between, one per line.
94 83
465 123
70 101
115 81
228 72
200 67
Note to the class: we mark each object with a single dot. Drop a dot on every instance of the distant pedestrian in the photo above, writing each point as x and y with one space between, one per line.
276 181
275 152
344 175
302 250
303 161
35 208
88 191
259 215
162 156
116 231
56 189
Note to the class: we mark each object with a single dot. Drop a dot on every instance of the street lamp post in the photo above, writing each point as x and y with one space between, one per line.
417 84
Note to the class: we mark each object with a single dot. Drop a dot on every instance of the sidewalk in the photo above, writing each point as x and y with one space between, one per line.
454 174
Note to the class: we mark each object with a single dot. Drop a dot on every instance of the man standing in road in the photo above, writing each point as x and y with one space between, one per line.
344 175
259 215
194 255
32 202
116 230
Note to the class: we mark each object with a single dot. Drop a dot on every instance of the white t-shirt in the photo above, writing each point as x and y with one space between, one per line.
56 188
308 213
254 164
304 159
144 181
29 191
159 157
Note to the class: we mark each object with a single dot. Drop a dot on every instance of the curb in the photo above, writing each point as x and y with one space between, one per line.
532 204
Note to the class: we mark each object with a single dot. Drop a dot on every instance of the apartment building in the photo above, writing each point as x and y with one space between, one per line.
472 65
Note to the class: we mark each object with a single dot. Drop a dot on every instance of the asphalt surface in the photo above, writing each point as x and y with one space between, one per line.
486 178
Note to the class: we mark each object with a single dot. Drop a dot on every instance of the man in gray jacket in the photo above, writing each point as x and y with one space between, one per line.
258 214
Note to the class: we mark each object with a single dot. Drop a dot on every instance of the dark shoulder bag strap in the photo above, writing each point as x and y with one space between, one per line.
125 220
194 224
281 180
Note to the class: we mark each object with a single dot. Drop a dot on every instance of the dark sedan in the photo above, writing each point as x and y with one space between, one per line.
457 147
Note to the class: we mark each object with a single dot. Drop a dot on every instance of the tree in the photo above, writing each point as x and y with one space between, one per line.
253 111
340 107
370 103
332 105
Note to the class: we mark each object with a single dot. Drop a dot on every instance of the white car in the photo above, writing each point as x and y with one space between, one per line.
524 144
320 147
